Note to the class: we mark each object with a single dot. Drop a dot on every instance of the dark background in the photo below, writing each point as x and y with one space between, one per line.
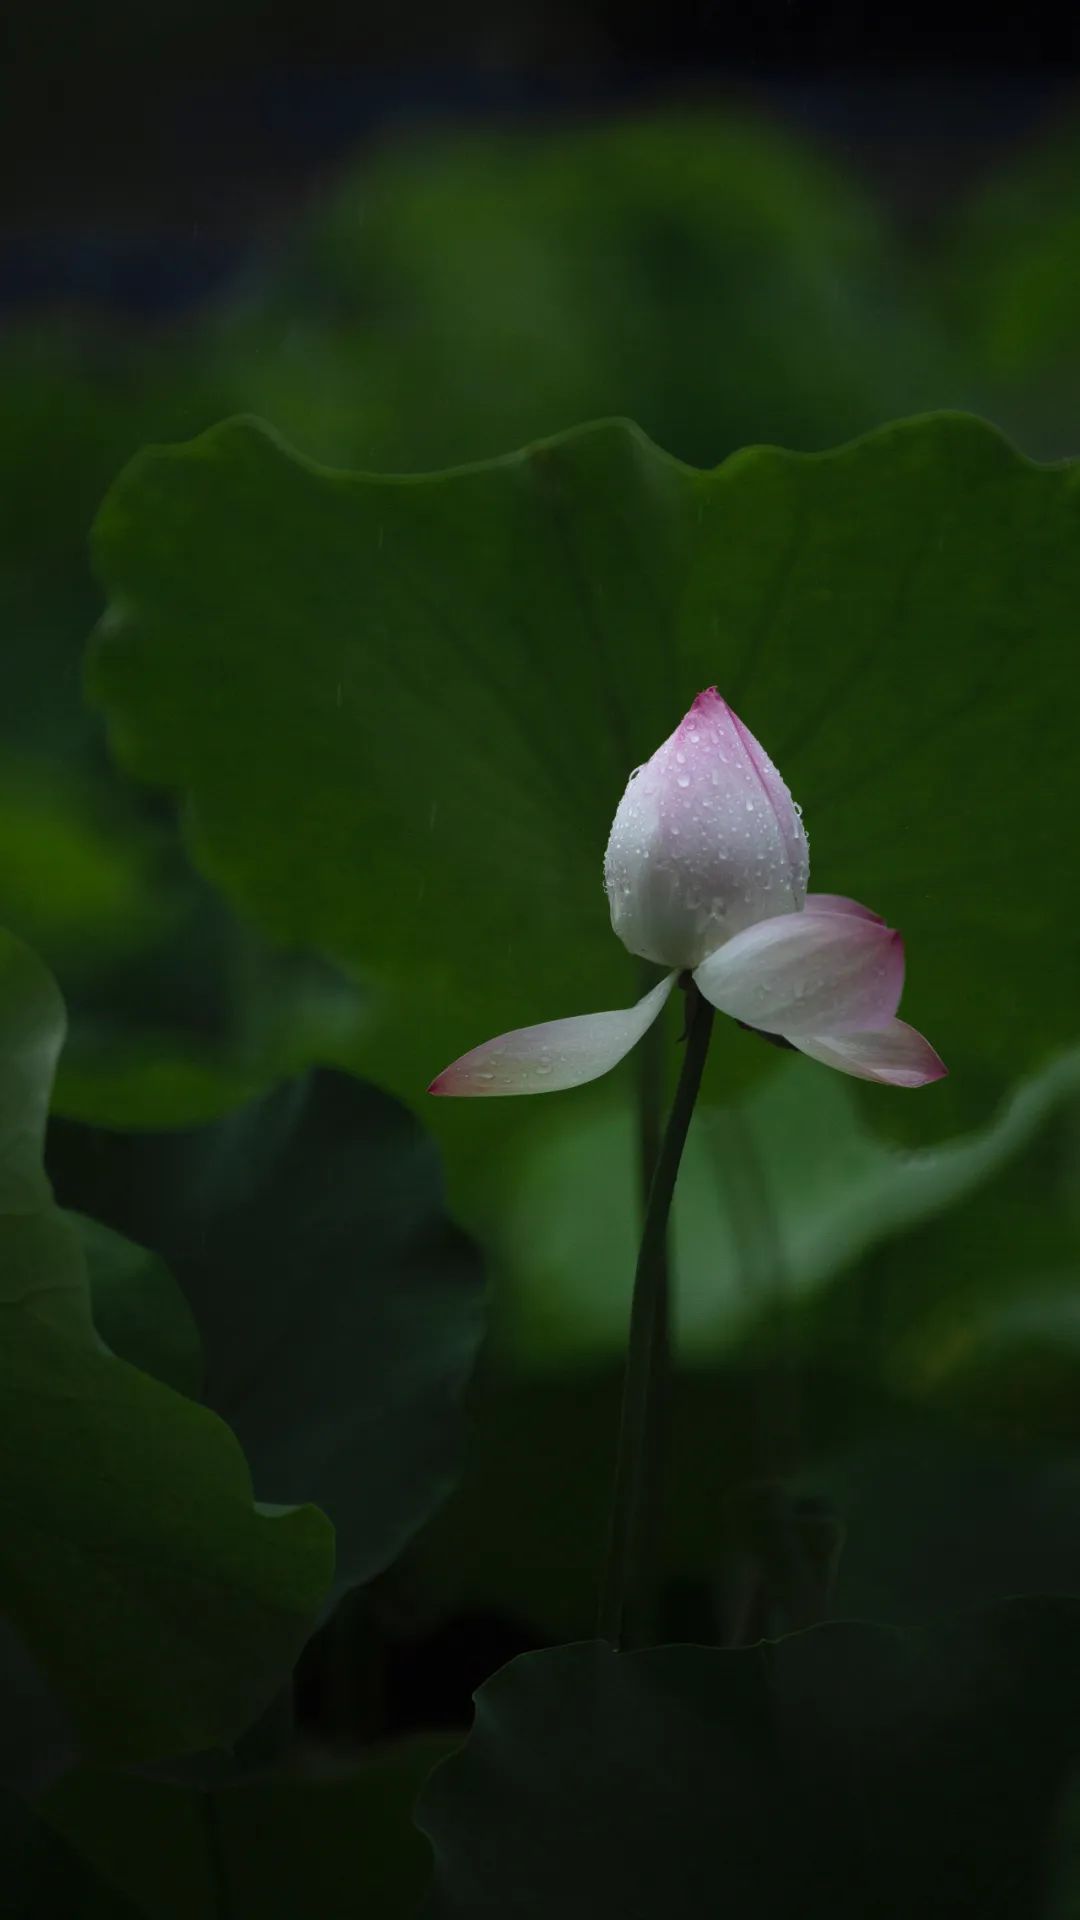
144 151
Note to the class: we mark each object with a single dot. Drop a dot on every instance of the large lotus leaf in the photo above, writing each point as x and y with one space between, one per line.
427 694
134 1566
338 1309
848 1770
335 1842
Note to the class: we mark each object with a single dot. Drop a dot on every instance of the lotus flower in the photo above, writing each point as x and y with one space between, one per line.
706 872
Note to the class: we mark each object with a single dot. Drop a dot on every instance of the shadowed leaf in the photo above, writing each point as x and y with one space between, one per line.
848 1770
133 1565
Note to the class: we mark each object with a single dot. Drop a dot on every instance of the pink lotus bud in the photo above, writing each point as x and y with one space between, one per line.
706 871
706 841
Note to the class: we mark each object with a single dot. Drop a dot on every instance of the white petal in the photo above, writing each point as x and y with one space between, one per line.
706 840
556 1055
808 973
895 1055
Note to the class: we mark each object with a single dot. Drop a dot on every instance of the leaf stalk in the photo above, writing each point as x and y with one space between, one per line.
627 1576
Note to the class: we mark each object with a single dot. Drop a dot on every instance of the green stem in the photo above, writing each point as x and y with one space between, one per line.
625 1574
638 1627
650 1065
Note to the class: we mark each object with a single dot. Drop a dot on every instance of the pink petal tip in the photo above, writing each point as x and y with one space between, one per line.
895 1056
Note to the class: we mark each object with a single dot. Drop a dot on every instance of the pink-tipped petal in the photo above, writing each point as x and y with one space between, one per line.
896 1055
778 798
839 903
706 840
556 1055
808 973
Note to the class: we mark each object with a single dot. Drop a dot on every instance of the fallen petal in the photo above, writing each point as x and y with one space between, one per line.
556 1055
808 973
706 840
895 1055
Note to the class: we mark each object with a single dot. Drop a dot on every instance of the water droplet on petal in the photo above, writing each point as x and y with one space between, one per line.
683 780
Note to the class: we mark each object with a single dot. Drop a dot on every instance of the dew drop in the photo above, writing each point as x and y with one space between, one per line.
683 780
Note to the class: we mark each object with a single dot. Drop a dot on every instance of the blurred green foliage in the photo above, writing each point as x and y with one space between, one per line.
164 988
777 1197
1011 291
356 686
705 275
